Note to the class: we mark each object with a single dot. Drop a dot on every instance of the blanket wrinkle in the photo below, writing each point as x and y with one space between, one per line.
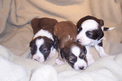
4 13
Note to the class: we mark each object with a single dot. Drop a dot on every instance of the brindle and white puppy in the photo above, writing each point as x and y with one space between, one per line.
90 33
44 42
69 49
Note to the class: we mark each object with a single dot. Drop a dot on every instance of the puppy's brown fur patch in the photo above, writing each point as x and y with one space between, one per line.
65 31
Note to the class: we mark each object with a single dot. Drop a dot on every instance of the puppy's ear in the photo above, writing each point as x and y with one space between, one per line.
33 47
84 48
56 42
100 34
31 43
62 53
101 22
34 24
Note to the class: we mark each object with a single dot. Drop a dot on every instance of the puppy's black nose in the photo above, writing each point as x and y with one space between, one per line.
78 41
81 68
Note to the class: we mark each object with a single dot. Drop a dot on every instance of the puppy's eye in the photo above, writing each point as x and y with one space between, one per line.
83 56
89 33
72 60
44 50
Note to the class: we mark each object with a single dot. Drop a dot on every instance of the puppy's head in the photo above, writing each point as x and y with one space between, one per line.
89 30
41 48
75 55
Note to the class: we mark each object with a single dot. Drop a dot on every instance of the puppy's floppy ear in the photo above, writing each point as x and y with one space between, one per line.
101 22
100 34
62 53
31 43
34 24
56 42
33 47
84 48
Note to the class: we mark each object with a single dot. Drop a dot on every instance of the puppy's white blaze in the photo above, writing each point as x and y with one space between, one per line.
75 50
80 63
89 25
39 42
39 56
43 33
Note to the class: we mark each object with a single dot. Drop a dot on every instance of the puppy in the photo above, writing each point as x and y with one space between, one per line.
90 33
69 49
44 42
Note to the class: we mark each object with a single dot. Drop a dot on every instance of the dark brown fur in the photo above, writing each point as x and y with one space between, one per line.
43 23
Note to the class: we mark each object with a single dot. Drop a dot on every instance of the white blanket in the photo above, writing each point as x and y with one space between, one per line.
105 69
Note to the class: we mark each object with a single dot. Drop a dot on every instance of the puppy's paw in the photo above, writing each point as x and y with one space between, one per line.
104 55
59 62
91 61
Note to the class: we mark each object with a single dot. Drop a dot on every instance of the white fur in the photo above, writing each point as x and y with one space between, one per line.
39 56
76 51
80 63
89 24
101 51
43 33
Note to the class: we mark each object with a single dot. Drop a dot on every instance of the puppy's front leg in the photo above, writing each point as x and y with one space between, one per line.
89 56
100 50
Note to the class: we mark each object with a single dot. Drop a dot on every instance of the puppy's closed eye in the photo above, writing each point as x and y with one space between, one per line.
94 34
89 34
44 49
72 59
82 56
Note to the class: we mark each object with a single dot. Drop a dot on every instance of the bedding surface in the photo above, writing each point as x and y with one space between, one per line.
16 33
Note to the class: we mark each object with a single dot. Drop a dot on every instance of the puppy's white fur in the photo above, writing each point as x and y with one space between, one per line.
75 50
79 64
43 33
